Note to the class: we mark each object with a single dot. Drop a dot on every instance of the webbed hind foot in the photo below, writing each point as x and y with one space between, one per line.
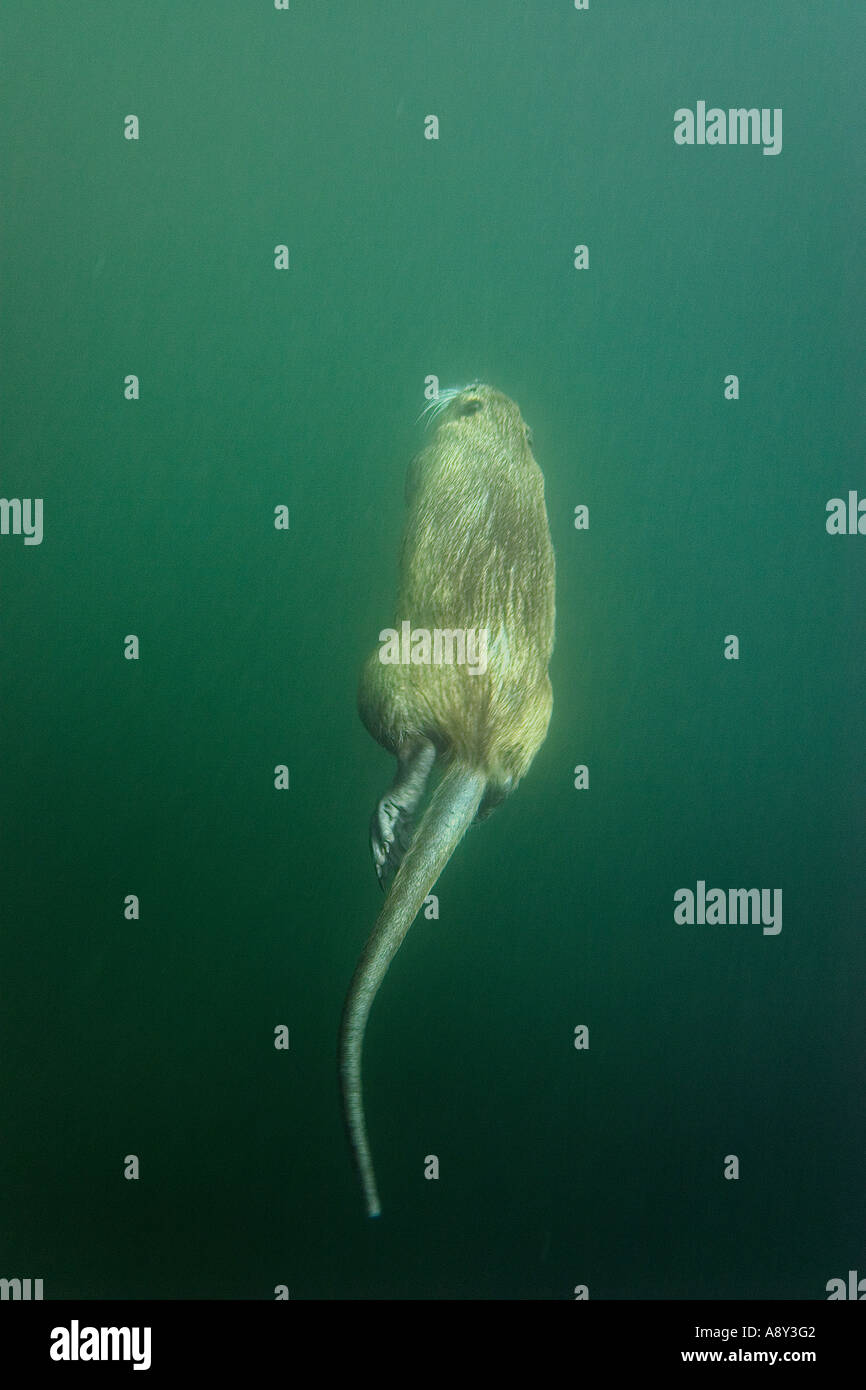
392 823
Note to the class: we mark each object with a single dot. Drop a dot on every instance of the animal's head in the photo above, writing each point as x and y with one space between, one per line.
480 414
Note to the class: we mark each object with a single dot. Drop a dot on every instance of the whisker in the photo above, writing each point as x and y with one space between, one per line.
438 404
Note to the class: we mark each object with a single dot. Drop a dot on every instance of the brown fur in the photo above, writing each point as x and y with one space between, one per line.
476 554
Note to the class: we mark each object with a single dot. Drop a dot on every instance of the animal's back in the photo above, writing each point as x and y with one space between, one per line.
476 555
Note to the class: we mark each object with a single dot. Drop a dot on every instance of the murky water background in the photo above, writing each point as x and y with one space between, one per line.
707 518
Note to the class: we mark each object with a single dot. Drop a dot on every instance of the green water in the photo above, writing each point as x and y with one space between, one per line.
155 777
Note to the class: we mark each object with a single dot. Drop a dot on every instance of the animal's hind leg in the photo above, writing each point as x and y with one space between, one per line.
391 825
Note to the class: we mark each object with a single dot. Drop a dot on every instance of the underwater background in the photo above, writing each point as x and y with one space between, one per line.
410 257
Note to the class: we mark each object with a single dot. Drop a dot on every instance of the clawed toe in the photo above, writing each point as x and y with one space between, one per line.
390 837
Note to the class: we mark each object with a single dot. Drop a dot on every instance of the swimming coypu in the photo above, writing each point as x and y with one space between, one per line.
476 560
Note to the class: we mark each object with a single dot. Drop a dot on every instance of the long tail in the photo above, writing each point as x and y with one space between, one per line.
450 813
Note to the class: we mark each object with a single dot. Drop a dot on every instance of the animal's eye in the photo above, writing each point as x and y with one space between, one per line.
471 406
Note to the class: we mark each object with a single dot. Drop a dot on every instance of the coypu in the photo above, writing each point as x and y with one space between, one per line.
476 559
